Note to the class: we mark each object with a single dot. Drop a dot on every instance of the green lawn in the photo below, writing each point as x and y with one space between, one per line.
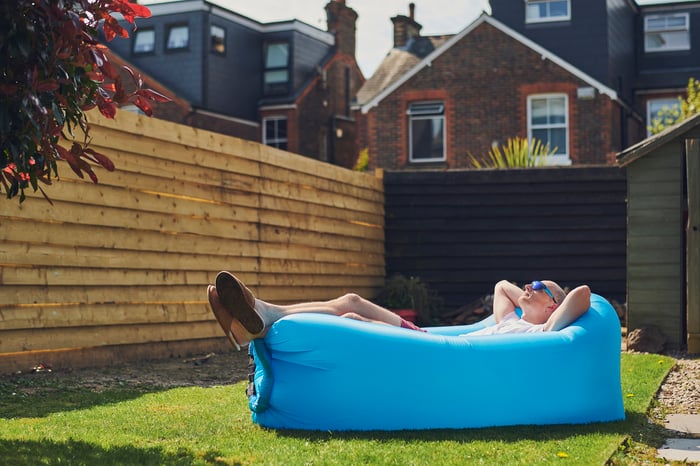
43 422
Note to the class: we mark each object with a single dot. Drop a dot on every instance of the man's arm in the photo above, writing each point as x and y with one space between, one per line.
575 304
505 299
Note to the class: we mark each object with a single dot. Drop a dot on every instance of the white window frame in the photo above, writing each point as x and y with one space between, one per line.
276 140
217 38
139 42
276 75
180 44
547 18
438 114
660 103
561 158
668 29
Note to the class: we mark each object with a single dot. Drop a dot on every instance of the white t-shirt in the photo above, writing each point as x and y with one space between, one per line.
511 323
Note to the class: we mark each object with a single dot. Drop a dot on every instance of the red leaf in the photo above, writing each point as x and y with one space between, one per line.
131 10
101 159
91 174
143 104
68 157
110 70
47 86
136 79
112 29
140 10
153 95
96 76
108 109
98 56
109 87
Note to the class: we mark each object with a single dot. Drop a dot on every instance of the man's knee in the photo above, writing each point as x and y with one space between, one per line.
351 300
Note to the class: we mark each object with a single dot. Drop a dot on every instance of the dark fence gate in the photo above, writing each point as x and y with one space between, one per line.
462 231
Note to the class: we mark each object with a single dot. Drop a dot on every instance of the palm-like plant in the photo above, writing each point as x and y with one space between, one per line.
516 153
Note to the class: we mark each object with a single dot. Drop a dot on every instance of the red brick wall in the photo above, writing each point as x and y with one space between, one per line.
322 109
485 80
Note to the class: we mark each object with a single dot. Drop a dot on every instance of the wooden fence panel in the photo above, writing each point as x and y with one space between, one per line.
462 231
120 268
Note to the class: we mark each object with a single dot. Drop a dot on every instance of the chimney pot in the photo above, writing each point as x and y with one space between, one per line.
412 11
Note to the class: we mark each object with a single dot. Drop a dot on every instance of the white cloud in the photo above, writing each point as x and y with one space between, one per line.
374 27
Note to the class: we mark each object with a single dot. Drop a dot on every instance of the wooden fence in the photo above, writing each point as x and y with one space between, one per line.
462 231
118 270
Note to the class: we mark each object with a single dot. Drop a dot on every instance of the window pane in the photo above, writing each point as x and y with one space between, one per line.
559 8
549 122
276 77
557 110
178 37
276 132
655 106
545 9
427 137
218 39
675 22
144 41
536 10
667 40
277 55
656 24
557 139
538 111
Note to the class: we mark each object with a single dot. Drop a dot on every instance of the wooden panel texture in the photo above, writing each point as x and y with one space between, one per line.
126 262
655 252
462 231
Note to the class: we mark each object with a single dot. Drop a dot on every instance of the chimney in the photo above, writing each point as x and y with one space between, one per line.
405 27
341 21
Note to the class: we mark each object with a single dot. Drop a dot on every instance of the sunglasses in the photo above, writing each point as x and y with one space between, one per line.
539 286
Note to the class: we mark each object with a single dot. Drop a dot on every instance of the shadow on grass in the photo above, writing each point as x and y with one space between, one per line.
21 400
46 452
633 422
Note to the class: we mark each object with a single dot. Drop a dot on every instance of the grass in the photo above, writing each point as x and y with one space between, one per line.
44 422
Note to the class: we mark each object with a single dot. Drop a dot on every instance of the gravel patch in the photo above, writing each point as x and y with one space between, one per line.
680 392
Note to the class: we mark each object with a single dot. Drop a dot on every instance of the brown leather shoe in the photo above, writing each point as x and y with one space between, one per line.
240 302
234 330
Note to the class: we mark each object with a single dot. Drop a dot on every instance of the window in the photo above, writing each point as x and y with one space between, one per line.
661 105
276 74
178 37
548 122
218 39
666 32
145 41
275 132
537 11
426 132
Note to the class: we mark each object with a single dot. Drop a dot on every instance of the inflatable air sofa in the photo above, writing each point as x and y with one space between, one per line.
321 372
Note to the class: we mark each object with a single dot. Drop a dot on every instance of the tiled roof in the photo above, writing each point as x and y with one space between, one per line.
397 63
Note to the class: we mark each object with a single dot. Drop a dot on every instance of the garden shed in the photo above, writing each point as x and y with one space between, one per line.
663 241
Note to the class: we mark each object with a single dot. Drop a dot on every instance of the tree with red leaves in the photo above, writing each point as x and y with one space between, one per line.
52 70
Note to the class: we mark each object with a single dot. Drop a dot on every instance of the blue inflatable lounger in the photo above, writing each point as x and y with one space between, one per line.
321 372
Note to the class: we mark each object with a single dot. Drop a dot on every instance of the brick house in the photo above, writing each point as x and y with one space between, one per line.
286 84
583 78
646 52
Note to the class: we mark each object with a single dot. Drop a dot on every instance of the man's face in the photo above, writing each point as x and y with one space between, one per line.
537 305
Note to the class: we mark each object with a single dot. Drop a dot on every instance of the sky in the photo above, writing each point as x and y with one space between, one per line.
374 28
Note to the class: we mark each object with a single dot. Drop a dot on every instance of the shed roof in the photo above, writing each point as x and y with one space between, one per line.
648 145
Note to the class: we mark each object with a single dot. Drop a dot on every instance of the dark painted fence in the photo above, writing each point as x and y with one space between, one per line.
462 231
